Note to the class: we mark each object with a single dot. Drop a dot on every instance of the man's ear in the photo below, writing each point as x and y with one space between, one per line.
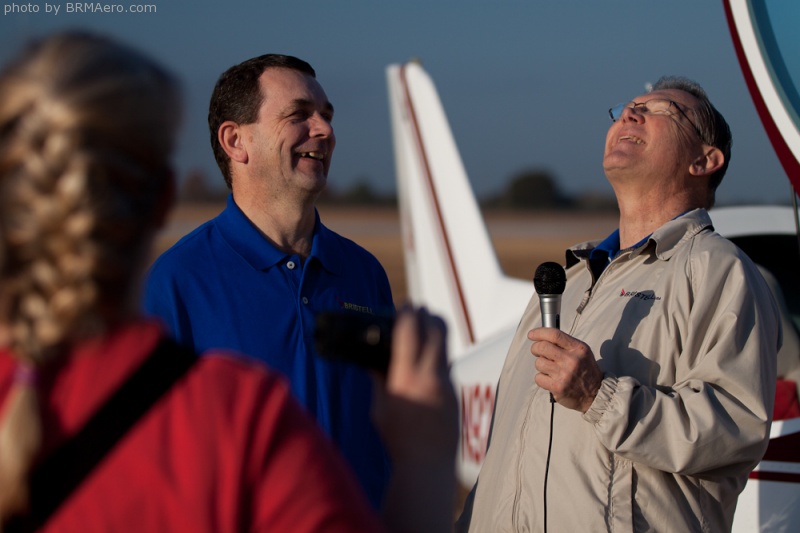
230 138
708 162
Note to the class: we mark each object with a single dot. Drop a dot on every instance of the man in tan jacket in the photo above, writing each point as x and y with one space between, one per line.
663 377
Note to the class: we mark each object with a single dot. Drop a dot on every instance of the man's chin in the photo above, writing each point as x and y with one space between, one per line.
315 184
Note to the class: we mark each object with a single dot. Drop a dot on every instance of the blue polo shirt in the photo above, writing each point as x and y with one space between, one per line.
224 285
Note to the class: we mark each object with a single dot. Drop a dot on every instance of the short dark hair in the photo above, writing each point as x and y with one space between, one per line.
237 96
711 125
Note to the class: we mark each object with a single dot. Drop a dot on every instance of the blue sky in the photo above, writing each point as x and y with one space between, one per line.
526 84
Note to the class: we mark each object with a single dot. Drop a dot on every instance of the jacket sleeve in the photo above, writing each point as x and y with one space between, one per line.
715 418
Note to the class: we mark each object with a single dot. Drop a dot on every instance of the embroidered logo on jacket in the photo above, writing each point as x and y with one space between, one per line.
641 295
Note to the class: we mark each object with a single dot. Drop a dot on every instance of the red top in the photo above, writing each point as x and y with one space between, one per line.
226 449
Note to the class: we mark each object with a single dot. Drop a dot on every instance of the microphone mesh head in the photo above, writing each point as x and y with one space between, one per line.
550 278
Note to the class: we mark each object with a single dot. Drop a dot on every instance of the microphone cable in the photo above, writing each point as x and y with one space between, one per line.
547 463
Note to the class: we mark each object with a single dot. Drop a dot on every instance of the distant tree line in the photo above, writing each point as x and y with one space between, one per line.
529 189
538 189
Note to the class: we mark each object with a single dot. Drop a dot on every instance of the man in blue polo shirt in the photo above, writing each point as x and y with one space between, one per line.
254 278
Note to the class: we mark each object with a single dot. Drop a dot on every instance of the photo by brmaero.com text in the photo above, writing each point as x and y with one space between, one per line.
60 8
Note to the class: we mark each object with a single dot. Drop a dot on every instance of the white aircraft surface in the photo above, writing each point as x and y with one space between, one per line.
452 267
450 262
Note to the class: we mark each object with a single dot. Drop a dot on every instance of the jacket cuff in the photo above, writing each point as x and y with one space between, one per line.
606 392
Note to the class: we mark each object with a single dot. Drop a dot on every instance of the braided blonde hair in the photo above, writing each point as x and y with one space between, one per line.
86 131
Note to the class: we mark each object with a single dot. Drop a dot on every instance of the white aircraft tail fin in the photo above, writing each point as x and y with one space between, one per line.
451 264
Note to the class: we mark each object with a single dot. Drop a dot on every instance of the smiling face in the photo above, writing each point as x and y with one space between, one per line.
290 145
652 146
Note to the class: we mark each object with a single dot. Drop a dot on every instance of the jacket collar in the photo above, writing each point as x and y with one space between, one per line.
664 241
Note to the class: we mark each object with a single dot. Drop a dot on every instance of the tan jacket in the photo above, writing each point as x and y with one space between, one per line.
686 333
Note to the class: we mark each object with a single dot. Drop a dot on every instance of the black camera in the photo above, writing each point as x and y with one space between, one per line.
360 338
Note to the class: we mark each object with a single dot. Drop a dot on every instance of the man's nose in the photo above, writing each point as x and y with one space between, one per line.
631 113
320 126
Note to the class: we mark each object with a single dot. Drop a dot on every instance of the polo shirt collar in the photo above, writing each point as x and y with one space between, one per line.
248 241
325 248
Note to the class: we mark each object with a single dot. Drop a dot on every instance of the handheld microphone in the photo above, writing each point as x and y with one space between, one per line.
549 282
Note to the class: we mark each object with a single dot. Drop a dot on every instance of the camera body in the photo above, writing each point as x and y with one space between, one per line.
363 339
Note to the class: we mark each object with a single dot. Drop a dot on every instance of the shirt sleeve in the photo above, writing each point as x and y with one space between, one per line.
161 300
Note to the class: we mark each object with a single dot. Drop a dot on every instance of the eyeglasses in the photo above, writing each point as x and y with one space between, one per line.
656 106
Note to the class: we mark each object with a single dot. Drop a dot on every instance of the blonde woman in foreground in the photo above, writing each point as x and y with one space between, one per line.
87 127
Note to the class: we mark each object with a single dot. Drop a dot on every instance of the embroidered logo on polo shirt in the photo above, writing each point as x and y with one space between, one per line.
360 308
641 295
